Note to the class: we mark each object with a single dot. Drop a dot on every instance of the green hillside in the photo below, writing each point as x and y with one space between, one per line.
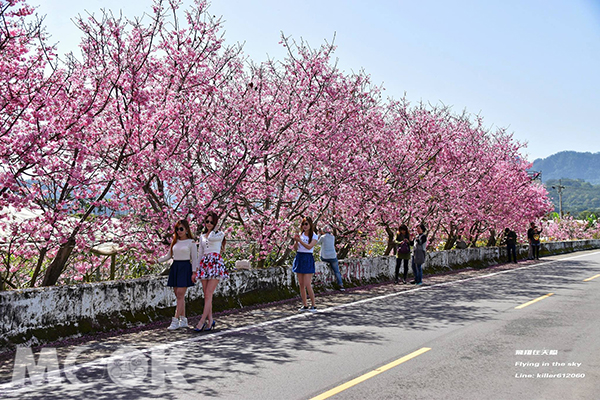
580 198
570 164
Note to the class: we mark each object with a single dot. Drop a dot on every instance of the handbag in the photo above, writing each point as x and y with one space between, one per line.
404 248
419 254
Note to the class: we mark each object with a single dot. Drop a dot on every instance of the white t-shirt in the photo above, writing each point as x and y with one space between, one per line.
304 239
327 242
212 243
183 250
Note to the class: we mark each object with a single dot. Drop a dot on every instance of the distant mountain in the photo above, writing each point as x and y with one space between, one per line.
570 164
579 198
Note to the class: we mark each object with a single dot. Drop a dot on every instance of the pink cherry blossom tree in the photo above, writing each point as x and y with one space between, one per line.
161 120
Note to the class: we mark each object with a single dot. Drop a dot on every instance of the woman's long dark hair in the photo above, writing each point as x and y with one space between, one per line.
215 220
404 228
186 225
311 228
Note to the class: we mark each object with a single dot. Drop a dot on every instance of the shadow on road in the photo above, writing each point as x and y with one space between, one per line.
208 364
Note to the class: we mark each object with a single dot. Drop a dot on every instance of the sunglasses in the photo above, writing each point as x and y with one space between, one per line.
180 229
208 221
305 224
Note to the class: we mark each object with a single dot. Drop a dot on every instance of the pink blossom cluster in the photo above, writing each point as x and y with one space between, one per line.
569 228
161 120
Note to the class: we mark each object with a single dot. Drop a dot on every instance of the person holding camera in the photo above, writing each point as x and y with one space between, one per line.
419 253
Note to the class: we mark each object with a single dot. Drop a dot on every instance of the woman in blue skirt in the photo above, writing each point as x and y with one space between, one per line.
184 253
304 263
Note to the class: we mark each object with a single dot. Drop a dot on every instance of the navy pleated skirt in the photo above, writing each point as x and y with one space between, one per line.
180 274
304 263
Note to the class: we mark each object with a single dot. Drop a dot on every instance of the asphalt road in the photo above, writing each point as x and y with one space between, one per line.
463 334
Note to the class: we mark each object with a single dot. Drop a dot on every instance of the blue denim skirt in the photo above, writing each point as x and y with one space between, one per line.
180 274
304 263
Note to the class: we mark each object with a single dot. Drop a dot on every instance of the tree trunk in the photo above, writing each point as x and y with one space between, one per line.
38 267
113 266
391 244
450 242
4 281
282 259
473 240
57 266
492 239
343 253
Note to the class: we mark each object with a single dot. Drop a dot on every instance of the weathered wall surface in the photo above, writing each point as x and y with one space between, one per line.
33 316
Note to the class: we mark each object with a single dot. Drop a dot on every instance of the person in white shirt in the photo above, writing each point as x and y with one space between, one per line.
184 253
212 268
304 263
328 253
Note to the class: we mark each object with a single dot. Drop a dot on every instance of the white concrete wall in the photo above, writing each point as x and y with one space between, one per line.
32 316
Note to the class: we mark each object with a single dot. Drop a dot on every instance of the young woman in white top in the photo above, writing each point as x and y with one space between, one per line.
212 267
184 253
304 263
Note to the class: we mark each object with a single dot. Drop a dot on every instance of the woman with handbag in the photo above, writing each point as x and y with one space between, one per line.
403 244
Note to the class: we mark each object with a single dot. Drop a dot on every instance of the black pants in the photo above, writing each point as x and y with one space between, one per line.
511 249
536 251
398 263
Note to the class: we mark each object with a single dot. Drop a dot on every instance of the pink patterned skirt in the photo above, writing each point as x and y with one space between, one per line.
212 267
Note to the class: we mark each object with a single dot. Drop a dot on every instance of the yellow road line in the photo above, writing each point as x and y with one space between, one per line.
369 375
593 277
534 301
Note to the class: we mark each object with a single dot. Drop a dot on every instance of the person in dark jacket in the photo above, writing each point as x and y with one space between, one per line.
530 239
403 244
510 238
419 252
535 241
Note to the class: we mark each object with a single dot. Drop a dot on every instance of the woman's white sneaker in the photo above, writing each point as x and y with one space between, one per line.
174 324
183 322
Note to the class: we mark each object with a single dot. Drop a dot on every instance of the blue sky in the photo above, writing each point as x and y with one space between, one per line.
532 66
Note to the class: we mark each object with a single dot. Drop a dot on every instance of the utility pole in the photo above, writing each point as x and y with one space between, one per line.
559 188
